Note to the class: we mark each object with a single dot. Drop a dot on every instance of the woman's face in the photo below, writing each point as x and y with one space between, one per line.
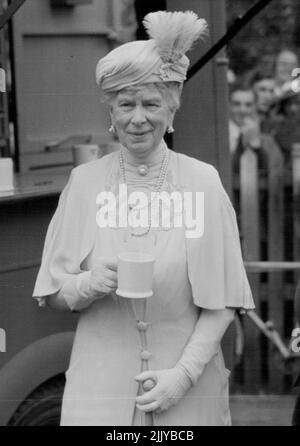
141 117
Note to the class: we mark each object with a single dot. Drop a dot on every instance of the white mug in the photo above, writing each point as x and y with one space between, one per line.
135 275
6 175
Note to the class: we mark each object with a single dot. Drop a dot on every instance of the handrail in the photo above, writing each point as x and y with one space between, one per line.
261 267
269 331
238 24
10 11
13 267
251 267
68 141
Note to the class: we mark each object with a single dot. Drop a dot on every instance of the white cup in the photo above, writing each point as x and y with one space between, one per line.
135 275
6 175
84 153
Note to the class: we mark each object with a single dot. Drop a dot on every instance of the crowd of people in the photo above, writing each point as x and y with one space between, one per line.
264 107
264 116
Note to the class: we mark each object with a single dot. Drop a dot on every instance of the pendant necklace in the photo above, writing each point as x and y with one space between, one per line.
143 169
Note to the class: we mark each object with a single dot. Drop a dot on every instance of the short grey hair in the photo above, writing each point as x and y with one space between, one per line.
170 91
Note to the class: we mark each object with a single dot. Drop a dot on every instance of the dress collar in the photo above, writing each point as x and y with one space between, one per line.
172 182
153 159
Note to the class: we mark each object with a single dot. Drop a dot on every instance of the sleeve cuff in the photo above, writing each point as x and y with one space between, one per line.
76 292
196 356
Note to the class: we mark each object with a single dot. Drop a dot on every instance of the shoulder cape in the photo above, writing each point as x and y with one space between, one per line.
215 265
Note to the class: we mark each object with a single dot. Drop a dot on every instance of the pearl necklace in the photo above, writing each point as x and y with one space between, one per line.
143 169
158 185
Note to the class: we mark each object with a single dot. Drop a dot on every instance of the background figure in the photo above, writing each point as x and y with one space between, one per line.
245 132
288 127
263 84
286 61
296 413
244 128
286 135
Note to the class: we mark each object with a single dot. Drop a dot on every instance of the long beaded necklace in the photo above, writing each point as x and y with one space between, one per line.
158 185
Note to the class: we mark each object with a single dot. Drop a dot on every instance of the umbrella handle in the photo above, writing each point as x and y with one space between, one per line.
270 332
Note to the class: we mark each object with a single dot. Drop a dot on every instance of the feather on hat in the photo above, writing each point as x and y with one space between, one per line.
174 33
160 59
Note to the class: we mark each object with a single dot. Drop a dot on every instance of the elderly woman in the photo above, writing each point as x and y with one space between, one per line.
156 361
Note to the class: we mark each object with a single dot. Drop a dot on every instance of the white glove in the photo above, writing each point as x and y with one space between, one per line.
103 278
205 341
203 345
84 288
196 355
170 386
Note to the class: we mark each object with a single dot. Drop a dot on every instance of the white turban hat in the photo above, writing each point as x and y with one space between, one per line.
160 59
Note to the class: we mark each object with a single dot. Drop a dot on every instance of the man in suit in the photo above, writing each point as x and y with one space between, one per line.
296 413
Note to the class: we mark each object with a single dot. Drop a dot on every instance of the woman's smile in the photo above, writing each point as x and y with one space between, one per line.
138 135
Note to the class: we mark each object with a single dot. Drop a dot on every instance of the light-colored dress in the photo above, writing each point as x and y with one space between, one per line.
111 344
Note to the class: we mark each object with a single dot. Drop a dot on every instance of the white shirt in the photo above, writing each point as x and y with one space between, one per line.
234 134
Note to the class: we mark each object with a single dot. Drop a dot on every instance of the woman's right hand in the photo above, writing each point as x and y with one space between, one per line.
103 279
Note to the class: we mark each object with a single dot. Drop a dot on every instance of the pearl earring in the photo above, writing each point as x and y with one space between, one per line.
112 129
170 129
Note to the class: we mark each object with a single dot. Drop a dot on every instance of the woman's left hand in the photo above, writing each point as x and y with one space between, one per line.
170 386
